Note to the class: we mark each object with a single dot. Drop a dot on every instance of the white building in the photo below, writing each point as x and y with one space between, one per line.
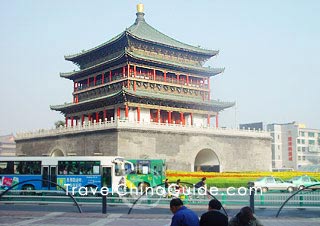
7 145
294 145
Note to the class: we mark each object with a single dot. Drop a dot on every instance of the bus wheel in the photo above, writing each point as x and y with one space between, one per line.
27 188
143 186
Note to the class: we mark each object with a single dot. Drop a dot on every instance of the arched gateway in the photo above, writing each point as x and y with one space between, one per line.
57 152
207 161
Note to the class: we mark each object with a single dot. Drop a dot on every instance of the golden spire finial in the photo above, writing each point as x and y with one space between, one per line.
140 8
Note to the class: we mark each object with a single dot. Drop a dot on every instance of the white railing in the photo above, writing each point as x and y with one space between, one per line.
125 124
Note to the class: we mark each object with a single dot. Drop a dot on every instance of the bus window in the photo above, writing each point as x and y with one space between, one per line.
143 166
3 167
78 167
27 167
119 169
128 167
7 167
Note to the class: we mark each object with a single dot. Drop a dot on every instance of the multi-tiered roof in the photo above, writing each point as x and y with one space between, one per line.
176 78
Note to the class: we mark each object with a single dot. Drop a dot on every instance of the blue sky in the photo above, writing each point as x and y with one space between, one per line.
270 51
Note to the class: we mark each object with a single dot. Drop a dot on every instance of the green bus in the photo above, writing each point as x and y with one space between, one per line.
146 172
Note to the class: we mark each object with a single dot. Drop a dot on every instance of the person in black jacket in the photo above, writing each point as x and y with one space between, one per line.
214 216
201 183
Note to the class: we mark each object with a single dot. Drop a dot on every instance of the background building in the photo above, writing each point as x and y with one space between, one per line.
7 145
294 145
252 126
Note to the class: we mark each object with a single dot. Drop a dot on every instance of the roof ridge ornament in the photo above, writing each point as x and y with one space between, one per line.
140 13
140 8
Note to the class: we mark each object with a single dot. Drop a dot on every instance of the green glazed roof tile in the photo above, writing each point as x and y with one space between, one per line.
141 30
180 98
68 105
210 71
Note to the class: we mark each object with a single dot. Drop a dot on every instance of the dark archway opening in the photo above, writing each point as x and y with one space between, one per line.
207 161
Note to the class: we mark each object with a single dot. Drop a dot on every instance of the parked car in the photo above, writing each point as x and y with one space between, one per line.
272 183
304 181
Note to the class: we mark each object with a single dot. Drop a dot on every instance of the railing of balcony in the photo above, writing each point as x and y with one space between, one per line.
88 126
143 76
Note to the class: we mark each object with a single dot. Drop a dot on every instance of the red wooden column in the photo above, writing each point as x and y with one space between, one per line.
181 118
178 79
191 118
97 116
104 115
82 119
158 115
135 75
128 75
123 71
71 121
102 78
165 76
94 80
76 122
67 118
89 117
127 112
169 117
208 88
88 83
74 87
110 76
217 120
154 74
138 114
118 112
208 120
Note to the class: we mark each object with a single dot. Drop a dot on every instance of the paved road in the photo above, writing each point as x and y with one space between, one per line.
75 219
49 215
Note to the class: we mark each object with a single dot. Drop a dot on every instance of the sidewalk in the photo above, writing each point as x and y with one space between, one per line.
22 218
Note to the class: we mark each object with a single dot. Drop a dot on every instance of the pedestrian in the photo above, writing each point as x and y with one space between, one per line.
214 216
200 186
166 184
245 218
166 188
182 216
178 189
201 183
178 185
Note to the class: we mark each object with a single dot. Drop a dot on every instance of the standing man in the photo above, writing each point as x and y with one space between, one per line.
213 216
182 216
